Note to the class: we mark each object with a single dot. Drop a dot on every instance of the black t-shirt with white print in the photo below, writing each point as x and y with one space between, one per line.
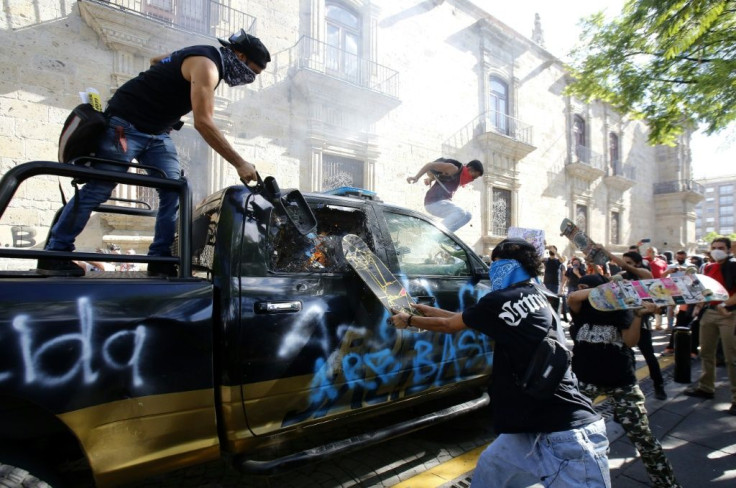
600 356
517 319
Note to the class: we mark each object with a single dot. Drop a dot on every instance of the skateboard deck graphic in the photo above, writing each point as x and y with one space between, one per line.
377 277
569 229
680 290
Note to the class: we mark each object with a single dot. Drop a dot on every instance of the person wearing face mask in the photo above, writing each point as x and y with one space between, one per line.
445 176
555 441
718 321
141 114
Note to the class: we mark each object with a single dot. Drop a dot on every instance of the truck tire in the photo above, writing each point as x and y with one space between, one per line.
14 477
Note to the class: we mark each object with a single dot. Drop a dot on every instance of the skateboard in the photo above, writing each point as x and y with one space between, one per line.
569 229
377 277
680 290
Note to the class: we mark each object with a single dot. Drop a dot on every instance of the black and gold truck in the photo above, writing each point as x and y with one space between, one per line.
266 348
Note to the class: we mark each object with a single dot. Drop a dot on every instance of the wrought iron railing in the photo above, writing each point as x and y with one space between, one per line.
201 16
585 155
677 186
315 55
624 171
491 121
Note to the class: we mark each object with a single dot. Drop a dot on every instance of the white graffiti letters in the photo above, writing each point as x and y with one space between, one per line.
33 355
514 312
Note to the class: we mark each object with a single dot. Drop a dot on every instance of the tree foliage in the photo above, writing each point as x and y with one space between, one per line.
712 235
669 62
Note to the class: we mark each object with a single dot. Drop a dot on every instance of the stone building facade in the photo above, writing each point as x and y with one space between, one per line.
360 93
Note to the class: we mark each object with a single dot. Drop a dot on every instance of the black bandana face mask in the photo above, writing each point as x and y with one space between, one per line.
235 72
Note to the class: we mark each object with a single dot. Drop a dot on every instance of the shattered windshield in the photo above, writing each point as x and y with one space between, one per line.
423 249
321 252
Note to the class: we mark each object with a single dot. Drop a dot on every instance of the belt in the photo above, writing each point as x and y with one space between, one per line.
145 130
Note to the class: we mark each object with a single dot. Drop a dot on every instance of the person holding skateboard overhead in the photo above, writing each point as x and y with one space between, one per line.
633 265
558 440
444 178
604 364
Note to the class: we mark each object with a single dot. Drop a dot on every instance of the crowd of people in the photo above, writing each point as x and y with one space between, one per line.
536 437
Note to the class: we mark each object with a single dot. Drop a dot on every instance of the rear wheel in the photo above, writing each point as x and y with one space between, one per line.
15 477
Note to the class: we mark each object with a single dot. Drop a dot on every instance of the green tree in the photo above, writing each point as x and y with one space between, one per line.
712 235
669 62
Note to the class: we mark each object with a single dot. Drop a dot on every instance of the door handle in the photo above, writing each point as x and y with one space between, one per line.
278 306
426 300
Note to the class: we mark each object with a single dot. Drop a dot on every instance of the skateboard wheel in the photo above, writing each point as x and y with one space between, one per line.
629 301
617 278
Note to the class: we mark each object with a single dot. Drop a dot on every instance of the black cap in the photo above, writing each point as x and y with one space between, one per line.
249 45
510 246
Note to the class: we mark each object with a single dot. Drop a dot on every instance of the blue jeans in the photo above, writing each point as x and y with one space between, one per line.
453 217
576 457
152 150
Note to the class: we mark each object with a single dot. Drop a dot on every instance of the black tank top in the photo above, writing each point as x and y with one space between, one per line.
156 99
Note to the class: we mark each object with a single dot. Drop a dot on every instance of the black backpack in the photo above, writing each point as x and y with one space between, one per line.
550 360
81 132
547 368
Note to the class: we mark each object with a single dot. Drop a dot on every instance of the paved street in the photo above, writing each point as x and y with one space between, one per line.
698 436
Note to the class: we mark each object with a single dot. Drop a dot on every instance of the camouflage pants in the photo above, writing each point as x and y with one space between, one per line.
629 408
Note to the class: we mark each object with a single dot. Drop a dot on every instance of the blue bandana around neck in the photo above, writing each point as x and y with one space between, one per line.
505 272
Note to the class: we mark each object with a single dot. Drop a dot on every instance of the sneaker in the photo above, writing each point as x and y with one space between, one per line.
58 267
732 410
162 270
695 391
659 393
668 351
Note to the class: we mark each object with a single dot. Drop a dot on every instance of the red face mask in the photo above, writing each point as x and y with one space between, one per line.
465 176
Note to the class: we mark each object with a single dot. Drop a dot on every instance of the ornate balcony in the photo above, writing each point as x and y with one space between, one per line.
497 131
321 69
205 17
691 190
585 164
620 176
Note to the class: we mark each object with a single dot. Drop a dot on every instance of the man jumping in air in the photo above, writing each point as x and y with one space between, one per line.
445 176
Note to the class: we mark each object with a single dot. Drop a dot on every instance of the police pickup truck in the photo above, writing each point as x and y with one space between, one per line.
266 348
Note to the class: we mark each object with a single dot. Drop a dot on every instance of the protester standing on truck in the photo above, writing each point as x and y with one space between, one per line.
556 441
140 115
444 177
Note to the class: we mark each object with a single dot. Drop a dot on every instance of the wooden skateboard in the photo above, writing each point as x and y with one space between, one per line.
377 277
569 229
680 290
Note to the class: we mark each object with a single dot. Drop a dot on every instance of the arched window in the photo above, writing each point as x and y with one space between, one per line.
343 33
578 132
499 105
613 153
